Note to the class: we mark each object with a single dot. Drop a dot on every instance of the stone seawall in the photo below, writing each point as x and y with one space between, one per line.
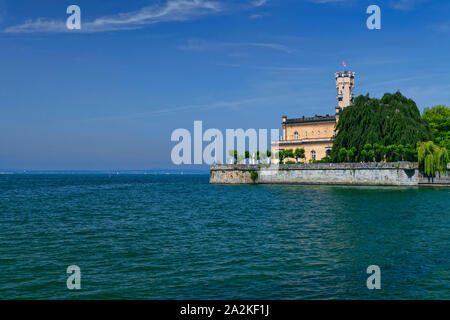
380 174
437 181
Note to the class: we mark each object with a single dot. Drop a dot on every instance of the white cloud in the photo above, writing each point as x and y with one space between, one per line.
403 4
259 3
199 45
172 10
279 69
259 15
38 25
256 101
406 4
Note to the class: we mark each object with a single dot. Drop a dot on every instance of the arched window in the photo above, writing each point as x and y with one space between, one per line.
296 135
328 152
313 155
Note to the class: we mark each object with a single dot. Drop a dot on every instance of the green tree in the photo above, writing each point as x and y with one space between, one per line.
299 153
438 118
234 155
379 152
364 156
401 152
391 153
281 155
410 153
342 156
241 158
432 158
371 155
289 153
391 120
350 154
253 175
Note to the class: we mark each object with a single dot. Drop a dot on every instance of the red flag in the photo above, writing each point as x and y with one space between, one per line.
344 64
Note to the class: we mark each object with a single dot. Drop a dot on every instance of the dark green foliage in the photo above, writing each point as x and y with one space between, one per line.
393 120
323 160
234 154
281 155
289 153
253 175
345 155
299 153
438 118
392 153
342 155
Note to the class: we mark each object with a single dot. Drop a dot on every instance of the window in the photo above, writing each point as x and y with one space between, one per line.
313 155
296 135
328 152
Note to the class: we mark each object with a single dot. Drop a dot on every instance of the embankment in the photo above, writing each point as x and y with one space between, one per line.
376 174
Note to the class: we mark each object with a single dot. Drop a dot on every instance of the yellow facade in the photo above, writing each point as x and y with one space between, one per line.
311 134
315 134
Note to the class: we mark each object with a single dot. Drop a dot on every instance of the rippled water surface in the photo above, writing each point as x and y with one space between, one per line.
177 237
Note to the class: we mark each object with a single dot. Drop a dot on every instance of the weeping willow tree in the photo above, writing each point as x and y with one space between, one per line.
391 120
432 158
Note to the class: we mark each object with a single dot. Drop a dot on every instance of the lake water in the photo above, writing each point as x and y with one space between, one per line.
177 237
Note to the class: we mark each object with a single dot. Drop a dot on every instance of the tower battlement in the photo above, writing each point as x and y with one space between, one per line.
344 74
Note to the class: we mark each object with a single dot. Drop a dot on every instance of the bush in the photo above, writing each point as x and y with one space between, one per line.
289 153
299 153
253 175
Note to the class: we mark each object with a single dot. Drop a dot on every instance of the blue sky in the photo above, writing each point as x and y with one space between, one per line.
110 95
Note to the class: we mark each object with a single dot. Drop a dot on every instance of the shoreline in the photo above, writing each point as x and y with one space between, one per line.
345 174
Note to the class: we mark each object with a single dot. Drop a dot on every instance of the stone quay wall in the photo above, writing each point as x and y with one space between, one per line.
376 174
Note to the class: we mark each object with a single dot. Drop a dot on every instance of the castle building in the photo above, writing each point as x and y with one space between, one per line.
314 134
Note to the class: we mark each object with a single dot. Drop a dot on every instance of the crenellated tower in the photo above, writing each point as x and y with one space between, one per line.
345 83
